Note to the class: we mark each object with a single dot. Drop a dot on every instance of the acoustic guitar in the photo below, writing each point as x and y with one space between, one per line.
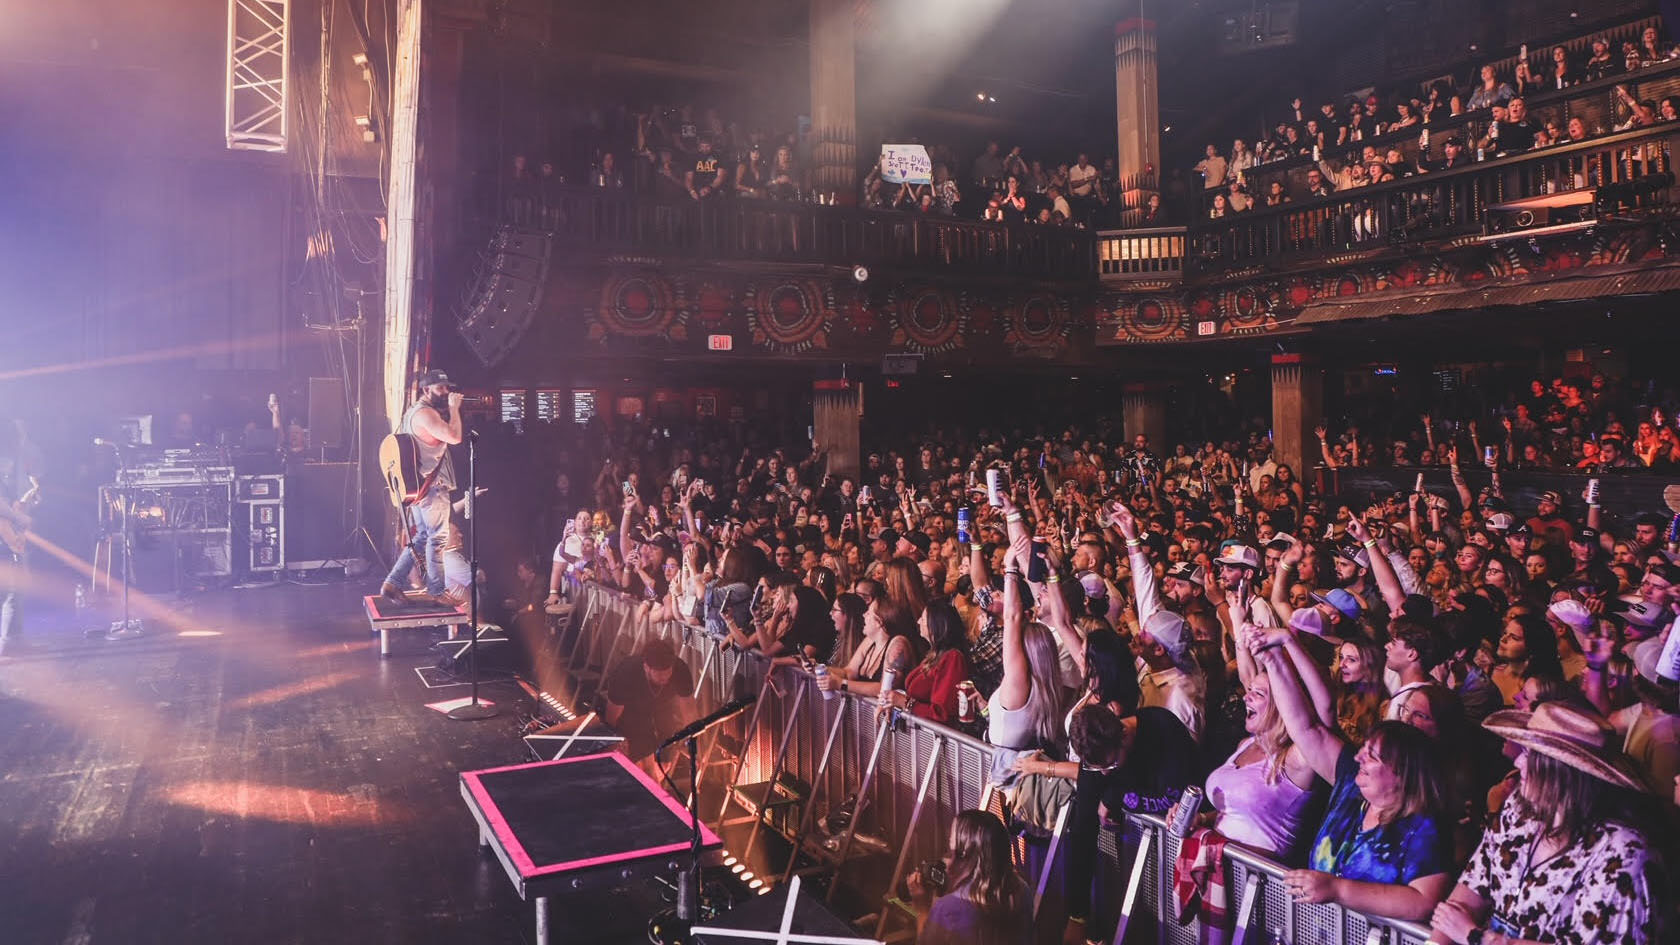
399 464
13 535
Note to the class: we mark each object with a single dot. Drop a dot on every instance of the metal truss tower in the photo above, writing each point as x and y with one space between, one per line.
258 74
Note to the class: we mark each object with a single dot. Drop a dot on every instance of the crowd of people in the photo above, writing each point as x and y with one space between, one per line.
1510 127
679 152
1437 707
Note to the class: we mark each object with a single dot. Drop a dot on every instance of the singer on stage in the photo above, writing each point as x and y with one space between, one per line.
435 423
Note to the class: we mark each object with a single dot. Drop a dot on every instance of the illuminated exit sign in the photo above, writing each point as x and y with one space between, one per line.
720 342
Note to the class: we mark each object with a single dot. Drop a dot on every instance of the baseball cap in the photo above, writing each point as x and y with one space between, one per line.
1552 497
1500 522
1170 631
1586 535
1187 571
1344 603
890 537
920 540
664 543
1093 585
1355 554
1239 556
434 376
1571 613
1282 541
1307 620
1642 613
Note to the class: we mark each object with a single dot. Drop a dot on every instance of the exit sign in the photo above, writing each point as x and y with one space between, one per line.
1205 328
720 342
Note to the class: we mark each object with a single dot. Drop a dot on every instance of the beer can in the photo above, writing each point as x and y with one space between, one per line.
1189 804
993 497
963 520
967 701
889 680
1592 491
821 672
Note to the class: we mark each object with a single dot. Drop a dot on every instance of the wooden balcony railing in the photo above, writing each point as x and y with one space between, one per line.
769 231
1438 205
1146 255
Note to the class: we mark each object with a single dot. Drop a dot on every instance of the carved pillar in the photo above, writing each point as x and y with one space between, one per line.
1144 410
836 409
834 98
1137 108
1297 407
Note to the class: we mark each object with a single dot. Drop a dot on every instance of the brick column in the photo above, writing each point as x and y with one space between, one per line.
836 410
1144 410
1297 407
1137 109
834 98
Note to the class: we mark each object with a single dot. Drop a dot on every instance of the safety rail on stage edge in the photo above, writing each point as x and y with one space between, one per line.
910 780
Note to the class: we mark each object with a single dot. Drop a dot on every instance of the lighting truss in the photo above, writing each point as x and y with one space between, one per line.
258 74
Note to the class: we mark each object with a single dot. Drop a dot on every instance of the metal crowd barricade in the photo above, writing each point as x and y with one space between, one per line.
906 783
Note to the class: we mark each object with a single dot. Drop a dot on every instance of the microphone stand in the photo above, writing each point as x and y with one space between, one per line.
129 628
475 709
672 927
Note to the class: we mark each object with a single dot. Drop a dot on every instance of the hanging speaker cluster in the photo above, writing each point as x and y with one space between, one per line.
508 294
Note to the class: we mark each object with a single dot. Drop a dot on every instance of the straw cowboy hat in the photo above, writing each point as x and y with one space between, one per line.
1576 737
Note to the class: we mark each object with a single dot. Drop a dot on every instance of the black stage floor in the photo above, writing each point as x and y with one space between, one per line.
251 771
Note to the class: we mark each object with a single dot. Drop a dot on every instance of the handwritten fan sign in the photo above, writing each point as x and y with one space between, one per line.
906 164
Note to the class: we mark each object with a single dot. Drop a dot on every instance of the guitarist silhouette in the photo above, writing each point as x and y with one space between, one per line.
434 423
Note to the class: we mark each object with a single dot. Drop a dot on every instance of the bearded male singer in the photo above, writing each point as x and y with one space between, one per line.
435 423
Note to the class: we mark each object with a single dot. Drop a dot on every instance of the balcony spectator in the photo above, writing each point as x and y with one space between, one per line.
1651 48
1523 79
548 185
1561 74
988 167
687 137
1014 202
1575 131
1489 91
1350 176
1318 185
908 196
1015 164
1241 159
1037 179
1059 204
1630 56
1516 133
1600 64
752 179
1669 108
1083 183
946 196
1560 863
1276 196
1221 207
1404 117
1237 197
1153 212
784 175
707 177
669 182
1212 168
1357 127
606 174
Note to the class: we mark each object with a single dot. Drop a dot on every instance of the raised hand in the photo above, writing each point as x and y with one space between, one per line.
1122 518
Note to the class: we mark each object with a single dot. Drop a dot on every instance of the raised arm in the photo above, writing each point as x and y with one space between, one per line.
1324 447
1387 581
1016 686
1464 497
1321 744
1145 592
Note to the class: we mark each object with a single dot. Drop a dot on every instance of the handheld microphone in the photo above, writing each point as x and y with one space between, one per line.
699 725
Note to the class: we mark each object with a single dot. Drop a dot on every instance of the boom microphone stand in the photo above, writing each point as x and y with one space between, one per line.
475 709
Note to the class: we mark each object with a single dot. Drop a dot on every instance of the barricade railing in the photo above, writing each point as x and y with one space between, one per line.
923 774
